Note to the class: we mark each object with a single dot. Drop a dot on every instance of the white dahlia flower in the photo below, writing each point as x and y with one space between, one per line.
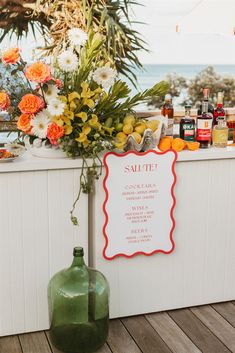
77 36
56 107
104 76
68 61
40 124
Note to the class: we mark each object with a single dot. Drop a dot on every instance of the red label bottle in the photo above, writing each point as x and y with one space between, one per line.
219 112
204 126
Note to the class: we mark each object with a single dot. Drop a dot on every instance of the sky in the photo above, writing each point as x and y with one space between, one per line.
206 31
205 35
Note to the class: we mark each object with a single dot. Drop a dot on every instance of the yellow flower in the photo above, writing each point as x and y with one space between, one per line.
86 143
69 114
83 116
94 122
63 99
86 92
68 129
86 129
66 120
58 120
72 106
73 95
82 137
108 129
89 102
98 90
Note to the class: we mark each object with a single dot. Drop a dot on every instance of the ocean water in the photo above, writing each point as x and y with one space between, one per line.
152 74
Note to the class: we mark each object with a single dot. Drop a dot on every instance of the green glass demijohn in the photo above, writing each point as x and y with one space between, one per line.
78 300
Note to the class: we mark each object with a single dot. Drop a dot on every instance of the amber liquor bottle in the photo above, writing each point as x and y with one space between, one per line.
168 112
204 126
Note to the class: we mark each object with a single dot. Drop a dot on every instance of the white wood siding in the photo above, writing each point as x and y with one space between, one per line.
36 240
202 268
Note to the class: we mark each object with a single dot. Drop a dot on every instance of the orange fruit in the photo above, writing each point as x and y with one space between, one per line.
178 144
165 143
193 146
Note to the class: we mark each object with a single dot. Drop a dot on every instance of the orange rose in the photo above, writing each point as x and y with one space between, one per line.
30 104
4 101
38 72
23 123
55 132
11 56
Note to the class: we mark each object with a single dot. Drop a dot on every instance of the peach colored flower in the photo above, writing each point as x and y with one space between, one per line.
23 122
38 72
11 56
54 132
4 101
30 104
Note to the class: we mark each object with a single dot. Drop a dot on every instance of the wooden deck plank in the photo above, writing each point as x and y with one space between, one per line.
217 324
10 344
227 310
201 336
145 336
53 349
172 335
34 343
119 339
104 349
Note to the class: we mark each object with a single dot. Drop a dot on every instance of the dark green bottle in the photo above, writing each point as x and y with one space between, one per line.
78 300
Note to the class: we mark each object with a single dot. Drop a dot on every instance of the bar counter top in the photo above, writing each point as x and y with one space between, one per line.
27 162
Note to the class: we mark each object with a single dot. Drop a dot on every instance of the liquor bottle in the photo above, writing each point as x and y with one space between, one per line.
219 111
187 126
206 93
168 112
204 126
220 133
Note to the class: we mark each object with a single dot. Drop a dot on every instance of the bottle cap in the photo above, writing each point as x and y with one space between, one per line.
78 251
167 97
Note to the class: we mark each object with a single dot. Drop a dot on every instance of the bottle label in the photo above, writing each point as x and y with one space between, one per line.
189 132
220 136
170 124
204 129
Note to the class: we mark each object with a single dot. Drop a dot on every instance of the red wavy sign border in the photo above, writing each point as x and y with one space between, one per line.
107 195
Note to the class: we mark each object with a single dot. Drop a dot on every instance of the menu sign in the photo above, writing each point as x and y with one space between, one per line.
139 203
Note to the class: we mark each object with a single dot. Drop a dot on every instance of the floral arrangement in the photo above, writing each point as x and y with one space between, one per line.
77 104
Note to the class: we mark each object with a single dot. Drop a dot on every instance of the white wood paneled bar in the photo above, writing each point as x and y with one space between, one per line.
201 269
36 236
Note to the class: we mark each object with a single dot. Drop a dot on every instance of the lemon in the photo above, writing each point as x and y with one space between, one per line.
120 145
152 124
140 128
137 136
129 119
127 129
119 127
121 137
